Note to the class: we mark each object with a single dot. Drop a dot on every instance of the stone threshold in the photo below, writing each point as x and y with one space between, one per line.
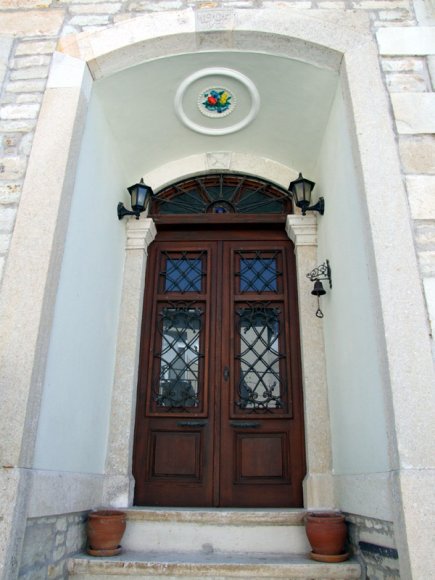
220 516
211 565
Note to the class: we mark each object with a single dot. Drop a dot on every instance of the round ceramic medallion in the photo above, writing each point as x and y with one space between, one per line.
216 102
212 110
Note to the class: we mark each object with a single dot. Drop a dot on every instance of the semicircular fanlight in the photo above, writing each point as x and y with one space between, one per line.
221 193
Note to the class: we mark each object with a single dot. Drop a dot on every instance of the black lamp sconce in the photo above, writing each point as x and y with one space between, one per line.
322 272
300 191
141 195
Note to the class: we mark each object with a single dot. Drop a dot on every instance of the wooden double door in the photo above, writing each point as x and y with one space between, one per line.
219 411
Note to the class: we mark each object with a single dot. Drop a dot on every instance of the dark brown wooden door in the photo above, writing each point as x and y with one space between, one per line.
219 413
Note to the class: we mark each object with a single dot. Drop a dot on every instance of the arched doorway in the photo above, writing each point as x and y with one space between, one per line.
347 47
219 417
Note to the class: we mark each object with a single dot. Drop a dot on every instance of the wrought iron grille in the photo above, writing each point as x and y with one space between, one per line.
178 363
258 271
183 271
222 194
260 388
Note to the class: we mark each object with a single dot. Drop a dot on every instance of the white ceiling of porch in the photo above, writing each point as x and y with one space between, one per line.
295 100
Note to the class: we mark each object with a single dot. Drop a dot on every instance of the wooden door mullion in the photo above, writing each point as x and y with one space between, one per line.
217 301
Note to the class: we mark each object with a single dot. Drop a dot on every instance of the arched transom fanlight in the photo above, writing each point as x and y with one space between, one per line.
221 194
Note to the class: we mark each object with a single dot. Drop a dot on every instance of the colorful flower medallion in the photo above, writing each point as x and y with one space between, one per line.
216 102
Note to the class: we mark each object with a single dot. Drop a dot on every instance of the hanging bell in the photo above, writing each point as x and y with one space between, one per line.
318 289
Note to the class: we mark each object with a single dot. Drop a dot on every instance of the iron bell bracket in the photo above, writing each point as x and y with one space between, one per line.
322 272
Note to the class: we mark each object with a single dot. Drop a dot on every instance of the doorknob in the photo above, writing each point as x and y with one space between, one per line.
226 373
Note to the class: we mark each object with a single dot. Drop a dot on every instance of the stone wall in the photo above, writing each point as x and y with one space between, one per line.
31 29
48 543
372 542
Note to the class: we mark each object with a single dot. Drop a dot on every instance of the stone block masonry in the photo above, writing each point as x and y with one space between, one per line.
372 542
48 543
24 66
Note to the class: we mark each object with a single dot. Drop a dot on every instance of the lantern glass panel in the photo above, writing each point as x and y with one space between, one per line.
141 192
133 193
302 192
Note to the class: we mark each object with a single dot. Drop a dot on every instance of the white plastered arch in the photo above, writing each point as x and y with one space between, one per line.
226 161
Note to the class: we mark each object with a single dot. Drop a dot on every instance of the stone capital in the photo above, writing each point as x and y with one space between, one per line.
302 230
140 233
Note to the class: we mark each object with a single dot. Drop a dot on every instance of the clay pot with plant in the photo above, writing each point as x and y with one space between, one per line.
327 532
105 529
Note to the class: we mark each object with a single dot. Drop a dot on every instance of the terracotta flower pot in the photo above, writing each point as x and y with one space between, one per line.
326 532
105 529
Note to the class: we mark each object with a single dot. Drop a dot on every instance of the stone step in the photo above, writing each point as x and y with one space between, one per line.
210 566
253 531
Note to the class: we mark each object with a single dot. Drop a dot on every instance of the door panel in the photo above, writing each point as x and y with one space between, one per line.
174 443
219 415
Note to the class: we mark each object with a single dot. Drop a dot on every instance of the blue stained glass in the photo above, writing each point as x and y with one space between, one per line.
183 275
258 275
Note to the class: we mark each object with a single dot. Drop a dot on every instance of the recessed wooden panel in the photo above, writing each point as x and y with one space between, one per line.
176 454
261 456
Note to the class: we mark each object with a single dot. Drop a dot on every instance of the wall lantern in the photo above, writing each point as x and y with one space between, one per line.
141 195
322 272
300 190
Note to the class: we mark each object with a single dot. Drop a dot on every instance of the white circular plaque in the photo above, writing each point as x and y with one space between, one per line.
219 79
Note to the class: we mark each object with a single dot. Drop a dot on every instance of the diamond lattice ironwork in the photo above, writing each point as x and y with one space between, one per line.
176 388
260 388
258 271
183 272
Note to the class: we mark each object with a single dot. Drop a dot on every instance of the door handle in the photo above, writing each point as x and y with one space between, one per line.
245 424
226 373
191 423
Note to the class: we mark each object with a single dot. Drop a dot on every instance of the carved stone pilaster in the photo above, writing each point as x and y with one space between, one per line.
119 484
318 484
